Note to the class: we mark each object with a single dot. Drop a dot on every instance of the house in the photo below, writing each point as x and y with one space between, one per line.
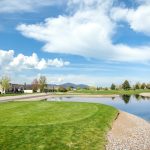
16 88
1 89
28 89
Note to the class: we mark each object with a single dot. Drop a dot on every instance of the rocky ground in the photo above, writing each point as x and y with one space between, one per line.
129 133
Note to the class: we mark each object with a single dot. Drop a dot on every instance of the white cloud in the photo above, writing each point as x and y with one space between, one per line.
58 62
10 6
10 62
88 32
6 56
85 33
138 18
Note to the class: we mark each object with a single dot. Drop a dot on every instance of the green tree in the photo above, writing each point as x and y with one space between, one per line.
113 87
137 86
35 85
148 86
143 86
42 83
5 82
70 88
78 88
62 89
126 85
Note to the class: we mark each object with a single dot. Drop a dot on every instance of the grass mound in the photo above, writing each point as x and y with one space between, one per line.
54 125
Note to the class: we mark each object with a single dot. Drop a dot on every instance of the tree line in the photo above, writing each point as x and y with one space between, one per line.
40 85
37 84
126 86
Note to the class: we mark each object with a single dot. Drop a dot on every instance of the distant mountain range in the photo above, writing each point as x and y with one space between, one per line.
66 85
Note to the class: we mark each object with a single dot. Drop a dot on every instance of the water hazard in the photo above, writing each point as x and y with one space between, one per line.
134 104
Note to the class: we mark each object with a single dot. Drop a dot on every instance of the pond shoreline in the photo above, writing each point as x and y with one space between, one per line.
129 132
145 95
34 97
85 95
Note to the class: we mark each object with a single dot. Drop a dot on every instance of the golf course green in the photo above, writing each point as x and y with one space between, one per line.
46 125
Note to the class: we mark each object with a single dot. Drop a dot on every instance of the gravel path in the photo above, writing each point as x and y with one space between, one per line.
129 133
32 97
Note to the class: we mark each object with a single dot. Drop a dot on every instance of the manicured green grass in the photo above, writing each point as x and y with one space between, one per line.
54 125
110 92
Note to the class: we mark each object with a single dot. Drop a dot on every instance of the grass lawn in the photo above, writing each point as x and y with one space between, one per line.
110 92
54 125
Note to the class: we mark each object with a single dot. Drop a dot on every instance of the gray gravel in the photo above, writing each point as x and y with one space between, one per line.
129 133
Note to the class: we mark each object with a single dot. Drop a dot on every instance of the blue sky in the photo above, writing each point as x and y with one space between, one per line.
94 42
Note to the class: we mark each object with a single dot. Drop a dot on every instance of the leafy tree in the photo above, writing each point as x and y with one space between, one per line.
62 89
143 86
70 88
106 88
78 88
5 83
137 86
113 87
126 85
35 85
148 86
42 83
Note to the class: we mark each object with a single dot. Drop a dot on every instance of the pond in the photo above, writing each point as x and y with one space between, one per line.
134 104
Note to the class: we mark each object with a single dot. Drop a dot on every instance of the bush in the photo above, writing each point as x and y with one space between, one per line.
62 89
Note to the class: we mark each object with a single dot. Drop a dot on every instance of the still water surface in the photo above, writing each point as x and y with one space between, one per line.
134 104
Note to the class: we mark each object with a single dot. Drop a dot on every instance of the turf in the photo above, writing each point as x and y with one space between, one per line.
54 125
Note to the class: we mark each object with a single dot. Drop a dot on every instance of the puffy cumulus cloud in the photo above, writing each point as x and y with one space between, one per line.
10 6
88 32
85 33
132 54
6 56
10 62
138 18
57 62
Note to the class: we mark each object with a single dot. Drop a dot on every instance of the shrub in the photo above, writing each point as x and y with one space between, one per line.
62 89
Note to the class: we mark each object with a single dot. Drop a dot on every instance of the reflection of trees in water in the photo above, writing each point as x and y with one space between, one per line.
143 97
137 96
113 98
126 98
